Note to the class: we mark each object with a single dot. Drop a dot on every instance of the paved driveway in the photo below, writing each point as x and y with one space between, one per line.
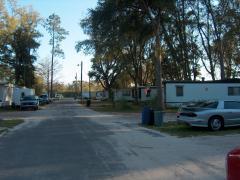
65 141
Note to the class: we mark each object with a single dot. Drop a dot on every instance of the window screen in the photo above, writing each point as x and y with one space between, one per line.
234 91
126 93
179 90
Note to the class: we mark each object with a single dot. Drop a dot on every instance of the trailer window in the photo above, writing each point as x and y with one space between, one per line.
234 91
126 93
179 90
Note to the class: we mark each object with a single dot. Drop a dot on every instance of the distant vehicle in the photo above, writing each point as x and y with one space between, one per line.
29 102
43 99
212 114
58 96
233 164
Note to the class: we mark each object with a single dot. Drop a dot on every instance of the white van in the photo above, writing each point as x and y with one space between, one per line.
20 92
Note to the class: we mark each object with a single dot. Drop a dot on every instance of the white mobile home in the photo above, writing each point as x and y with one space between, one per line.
102 95
179 92
19 92
144 93
6 93
123 94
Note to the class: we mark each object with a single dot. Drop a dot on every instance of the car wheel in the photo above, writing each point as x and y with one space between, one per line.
215 123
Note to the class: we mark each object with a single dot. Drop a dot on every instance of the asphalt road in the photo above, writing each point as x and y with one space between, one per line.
66 141
61 146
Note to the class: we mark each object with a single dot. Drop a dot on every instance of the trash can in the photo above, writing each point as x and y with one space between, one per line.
158 118
147 116
88 103
151 120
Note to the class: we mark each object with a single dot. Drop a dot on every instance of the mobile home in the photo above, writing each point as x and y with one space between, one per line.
123 94
6 93
179 92
144 93
102 95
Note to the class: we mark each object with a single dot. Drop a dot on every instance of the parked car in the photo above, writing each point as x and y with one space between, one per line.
43 99
28 102
212 114
233 164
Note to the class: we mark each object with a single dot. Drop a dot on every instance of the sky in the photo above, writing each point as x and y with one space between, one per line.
70 12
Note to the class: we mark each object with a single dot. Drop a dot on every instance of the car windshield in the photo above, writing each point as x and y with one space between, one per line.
193 104
209 104
202 104
29 98
44 96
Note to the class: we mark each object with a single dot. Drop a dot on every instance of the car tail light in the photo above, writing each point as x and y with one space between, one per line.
178 114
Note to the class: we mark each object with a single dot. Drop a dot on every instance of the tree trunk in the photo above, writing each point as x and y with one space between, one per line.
221 59
111 96
158 72
136 90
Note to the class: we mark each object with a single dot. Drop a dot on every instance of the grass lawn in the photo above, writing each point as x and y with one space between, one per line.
3 130
121 106
8 109
8 124
106 106
182 130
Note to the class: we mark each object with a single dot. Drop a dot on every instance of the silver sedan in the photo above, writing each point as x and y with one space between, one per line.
212 114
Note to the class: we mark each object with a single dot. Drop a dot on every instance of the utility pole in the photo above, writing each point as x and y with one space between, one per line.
89 87
48 81
76 86
53 49
81 83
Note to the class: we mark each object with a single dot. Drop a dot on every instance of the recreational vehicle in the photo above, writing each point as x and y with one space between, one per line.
6 93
